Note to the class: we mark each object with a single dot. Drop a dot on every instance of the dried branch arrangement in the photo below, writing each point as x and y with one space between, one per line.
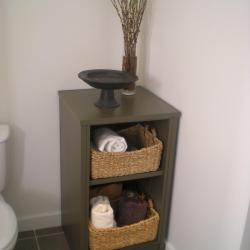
130 13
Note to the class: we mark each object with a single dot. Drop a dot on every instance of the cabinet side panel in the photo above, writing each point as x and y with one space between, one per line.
169 182
85 154
158 185
167 132
70 141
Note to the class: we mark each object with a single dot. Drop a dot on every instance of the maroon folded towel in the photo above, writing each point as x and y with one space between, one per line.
132 209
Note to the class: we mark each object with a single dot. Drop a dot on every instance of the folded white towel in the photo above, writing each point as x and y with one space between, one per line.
102 214
107 140
99 200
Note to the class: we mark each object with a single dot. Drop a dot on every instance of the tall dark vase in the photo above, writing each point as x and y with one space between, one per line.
129 64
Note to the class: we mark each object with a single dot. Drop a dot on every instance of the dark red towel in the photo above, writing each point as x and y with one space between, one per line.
132 209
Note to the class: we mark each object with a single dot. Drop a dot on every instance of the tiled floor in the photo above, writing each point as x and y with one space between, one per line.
44 239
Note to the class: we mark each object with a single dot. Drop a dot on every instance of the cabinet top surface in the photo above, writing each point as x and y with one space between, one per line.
140 107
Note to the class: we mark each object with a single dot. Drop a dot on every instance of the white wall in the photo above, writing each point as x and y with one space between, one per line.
46 44
197 58
4 101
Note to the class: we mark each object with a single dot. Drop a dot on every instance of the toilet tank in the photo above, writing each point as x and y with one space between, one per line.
4 135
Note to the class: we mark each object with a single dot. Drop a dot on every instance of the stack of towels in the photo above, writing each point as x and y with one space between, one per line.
102 214
107 140
132 208
108 211
112 191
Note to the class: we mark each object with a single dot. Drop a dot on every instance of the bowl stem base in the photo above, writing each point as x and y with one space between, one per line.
107 99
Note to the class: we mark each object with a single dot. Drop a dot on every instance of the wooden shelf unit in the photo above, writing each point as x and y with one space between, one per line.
78 116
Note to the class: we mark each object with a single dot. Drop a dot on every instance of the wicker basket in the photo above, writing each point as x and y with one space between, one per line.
116 238
146 159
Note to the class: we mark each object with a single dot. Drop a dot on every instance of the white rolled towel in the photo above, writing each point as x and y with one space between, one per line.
99 200
107 140
102 214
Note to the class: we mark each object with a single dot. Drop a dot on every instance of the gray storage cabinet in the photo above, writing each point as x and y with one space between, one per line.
78 116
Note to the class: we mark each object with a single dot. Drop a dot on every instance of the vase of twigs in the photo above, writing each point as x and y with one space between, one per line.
130 13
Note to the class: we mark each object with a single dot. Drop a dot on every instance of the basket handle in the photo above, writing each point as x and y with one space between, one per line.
151 130
150 203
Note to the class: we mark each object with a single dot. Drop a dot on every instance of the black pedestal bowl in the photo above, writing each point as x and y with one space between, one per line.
107 81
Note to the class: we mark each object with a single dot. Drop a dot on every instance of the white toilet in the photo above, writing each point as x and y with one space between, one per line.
8 221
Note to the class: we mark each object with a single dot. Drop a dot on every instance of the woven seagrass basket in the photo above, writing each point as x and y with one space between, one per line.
119 237
147 158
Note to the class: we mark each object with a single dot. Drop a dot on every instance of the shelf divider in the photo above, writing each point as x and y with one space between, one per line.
126 178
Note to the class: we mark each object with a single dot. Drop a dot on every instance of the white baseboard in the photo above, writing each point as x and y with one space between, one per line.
39 221
169 246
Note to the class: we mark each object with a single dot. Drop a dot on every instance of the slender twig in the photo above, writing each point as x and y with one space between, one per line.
130 13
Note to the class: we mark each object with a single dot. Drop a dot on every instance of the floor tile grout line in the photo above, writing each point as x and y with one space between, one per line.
26 238
49 235
37 243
